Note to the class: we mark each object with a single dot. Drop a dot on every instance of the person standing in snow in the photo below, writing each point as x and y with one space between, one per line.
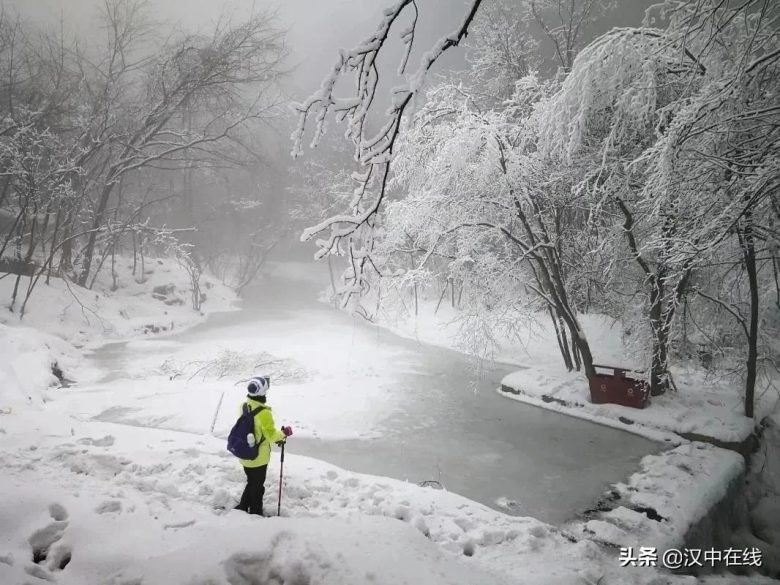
265 433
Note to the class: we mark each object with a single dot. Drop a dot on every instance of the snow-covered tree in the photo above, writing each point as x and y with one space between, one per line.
565 23
501 50
654 159
490 212
352 232
90 128
673 129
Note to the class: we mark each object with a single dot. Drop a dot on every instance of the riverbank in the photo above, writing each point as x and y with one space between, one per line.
94 502
109 496
707 403
44 347
669 499
88 480
361 398
124 479
133 304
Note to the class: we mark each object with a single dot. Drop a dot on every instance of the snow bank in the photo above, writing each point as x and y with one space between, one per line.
532 342
30 365
763 497
132 505
105 540
39 350
90 317
703 406
669 494
712 413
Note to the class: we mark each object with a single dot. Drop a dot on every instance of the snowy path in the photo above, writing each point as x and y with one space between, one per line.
364 399
162 498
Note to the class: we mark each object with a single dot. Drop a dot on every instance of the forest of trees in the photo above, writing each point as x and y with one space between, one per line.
136 140
637 176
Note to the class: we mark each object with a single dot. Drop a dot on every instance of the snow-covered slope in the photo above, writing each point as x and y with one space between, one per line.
91 316
29 361
126 503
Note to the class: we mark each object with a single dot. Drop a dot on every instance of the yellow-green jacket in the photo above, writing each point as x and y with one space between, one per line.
264 427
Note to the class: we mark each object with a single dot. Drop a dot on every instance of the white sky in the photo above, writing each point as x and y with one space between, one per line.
317 28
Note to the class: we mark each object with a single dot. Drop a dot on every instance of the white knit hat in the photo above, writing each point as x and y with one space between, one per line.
258 385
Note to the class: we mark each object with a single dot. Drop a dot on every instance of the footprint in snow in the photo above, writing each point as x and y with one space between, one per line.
58 512
48 554
109 506
106 441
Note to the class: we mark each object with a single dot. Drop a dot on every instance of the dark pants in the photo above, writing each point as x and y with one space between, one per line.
252 498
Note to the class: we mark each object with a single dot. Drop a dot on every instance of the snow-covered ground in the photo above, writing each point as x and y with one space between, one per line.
92 502
61 317
121 480
92 317
28 360
665 498
671 491
126 503
762 528
704 405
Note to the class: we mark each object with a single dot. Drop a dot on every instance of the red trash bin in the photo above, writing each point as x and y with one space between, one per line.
617 388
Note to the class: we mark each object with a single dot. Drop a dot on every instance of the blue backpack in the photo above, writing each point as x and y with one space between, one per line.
237 442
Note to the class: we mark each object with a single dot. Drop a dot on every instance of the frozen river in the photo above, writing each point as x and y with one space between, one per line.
418 412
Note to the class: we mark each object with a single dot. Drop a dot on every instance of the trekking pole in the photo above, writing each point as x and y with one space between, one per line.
281 478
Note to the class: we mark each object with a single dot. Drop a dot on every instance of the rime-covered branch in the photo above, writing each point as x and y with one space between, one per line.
372 151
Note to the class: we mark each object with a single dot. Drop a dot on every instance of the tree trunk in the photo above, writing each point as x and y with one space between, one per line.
452 293
5 190
97 221
66 258
9 238
135 253
552 281
583 347
114 284
332 283
53 249
563 345
749 253
142 278
18 257
575 353
96 273
658 364
441 298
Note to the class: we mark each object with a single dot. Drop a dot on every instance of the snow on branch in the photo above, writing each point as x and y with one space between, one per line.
374 151
613 84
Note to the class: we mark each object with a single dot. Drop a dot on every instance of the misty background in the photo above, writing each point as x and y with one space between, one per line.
313 32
